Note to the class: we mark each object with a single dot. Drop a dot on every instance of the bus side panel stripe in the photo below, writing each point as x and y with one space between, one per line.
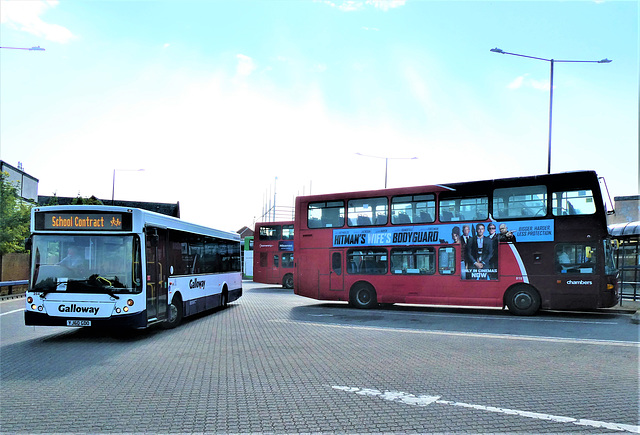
523 270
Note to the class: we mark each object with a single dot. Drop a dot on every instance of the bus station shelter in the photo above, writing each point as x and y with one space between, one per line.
628 258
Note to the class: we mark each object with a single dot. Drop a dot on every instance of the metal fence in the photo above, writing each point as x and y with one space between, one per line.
628 259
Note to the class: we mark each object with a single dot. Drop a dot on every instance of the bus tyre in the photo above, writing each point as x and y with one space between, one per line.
174 316
224 298
287 281
363 296
523 300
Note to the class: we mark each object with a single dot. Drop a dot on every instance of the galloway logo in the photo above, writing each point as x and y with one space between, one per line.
579 282
73 308
194 283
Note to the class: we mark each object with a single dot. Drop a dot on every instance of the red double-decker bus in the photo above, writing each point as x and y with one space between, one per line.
273 253
527 243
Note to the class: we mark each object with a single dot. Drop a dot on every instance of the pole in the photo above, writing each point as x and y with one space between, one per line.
113 187
386 167
550 117
274 198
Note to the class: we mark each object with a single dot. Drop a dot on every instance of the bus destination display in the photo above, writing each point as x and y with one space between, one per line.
83 221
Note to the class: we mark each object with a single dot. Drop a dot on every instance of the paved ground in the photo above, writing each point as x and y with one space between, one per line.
264 365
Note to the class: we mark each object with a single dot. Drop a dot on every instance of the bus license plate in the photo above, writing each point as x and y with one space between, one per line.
78 322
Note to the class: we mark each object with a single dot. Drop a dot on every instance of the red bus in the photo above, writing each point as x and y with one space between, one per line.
273 253
526 243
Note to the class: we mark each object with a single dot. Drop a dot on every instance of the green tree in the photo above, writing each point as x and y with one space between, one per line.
15 215
86 201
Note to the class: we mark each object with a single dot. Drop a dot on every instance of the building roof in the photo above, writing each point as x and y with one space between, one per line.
625 229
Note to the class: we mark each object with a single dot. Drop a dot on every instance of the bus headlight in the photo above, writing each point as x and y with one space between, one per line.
125 309
130 302
610 286
118 310
34 307
29 300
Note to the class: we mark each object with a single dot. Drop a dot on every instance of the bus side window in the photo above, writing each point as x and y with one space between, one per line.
336 263
573 202
263 259
447 261
276 260
575 258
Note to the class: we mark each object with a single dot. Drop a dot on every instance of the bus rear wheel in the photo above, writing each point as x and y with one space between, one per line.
287 281
363 296
523 300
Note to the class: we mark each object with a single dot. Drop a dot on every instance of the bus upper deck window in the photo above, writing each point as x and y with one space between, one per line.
328 214
573 202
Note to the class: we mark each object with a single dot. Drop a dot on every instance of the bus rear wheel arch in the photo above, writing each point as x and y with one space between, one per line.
363 295
522 300
287 281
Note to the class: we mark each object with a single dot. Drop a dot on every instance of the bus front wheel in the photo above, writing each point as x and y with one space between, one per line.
287 281
523 300
363 296
174 316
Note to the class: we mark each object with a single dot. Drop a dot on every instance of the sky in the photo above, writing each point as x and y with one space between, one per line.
222 105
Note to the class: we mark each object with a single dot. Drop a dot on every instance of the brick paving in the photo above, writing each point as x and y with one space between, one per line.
257 368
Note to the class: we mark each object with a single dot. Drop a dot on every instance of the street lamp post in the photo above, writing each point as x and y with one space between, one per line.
552 62
386 163
113 185
38 48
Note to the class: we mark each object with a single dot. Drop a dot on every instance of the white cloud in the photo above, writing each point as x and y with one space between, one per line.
524 81
516 83
385 5
356 5
25 16
245 65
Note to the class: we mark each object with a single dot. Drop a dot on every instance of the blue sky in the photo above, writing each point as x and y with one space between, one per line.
215 99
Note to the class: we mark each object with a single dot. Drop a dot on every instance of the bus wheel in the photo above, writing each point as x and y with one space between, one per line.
287 281
523 300
224 298
363 296
175 313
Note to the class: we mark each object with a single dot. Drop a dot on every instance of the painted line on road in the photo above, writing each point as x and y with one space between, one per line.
10 312
474 334
426 400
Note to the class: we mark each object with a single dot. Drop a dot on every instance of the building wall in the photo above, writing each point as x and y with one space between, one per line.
27 185
627 210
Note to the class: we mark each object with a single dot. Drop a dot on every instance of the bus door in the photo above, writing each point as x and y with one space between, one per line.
337 271
157 286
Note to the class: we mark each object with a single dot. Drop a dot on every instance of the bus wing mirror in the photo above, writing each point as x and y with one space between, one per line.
28 243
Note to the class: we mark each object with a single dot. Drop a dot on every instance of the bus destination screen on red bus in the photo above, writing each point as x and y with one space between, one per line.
81 221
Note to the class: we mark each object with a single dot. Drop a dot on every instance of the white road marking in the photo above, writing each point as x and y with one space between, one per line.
474 334
425 400
14 311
